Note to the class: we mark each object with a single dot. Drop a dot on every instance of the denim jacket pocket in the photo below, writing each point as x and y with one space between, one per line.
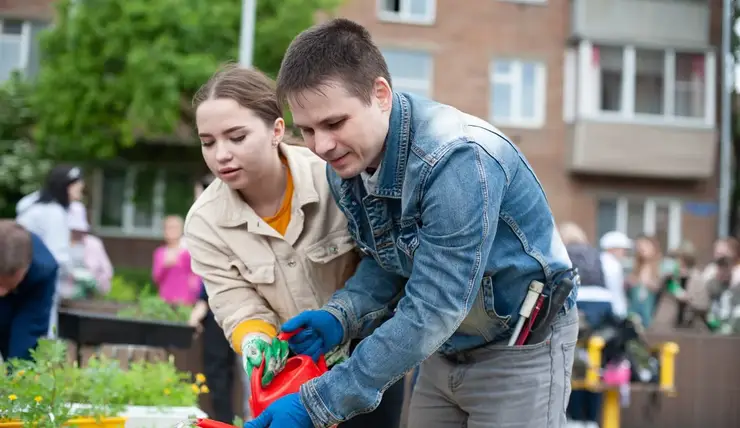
483 320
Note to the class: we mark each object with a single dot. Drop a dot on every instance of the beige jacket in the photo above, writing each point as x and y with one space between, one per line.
251 273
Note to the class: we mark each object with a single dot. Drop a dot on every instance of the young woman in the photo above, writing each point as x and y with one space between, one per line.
92 270
171 269
266 237
644 282
45 214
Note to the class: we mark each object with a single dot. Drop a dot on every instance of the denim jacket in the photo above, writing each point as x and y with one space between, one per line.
452 235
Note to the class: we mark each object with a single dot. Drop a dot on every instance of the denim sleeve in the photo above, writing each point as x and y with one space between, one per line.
367 299
460 203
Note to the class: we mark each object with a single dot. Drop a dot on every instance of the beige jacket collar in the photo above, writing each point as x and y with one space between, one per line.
235 212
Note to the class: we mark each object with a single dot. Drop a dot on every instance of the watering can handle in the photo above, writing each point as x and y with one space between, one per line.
256 378
285 335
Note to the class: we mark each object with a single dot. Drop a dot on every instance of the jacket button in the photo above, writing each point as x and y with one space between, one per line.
333 250
291 263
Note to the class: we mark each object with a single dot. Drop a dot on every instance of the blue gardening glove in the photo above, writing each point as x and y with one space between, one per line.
287 412
322 332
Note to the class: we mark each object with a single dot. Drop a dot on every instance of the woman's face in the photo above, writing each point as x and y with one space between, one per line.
75 190
237 145
723 250
645 248
172 229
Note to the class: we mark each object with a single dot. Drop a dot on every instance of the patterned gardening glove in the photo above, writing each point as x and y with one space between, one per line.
258 347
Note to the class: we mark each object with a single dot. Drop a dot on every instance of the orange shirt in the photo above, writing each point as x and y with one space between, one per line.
281 219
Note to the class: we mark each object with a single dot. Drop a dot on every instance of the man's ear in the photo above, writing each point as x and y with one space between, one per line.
383 94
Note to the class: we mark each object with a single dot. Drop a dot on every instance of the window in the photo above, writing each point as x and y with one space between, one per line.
641 216
411 71
14 46
647 83
517 93
134 200
408 11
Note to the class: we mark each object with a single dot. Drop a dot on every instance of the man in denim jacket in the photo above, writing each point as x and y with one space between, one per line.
454 226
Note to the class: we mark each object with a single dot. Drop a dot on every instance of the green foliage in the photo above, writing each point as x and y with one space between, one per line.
128 285
115 71
153 308
39 393
22 167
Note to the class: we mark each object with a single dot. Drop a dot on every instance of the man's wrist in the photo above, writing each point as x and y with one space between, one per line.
315 407
345 318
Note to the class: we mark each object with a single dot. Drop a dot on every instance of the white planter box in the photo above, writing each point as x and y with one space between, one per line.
164 417
155 417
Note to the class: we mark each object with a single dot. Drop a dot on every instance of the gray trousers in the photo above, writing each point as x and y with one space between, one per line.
497 386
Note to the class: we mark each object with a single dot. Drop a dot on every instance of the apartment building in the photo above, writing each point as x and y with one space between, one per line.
613 101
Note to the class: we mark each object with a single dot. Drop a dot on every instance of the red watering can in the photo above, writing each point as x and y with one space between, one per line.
298 370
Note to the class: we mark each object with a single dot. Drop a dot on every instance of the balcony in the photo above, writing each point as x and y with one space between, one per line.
642 150
675 23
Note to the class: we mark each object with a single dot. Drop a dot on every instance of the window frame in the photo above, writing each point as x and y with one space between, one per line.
24 39
650 209
425 85
514 78
405 16
588 86
128 229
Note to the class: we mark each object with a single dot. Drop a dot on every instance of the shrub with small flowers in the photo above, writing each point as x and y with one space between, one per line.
39 393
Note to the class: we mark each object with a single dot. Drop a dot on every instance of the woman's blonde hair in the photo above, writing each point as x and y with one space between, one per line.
571 233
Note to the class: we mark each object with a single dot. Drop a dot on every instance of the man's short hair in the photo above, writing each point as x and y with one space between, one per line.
15 248
339 50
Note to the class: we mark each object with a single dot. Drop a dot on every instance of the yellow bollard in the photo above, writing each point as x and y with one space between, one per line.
593 374
668 367
611 409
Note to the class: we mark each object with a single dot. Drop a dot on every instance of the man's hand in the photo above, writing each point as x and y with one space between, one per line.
287 412
259 347
322 332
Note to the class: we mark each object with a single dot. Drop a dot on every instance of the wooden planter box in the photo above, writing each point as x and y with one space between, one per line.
93 329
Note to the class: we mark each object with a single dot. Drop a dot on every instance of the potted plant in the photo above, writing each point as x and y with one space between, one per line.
38 393
51 392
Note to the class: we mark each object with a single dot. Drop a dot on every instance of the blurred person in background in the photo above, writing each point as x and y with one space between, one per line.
171 270
722 281
683 299
218 357
645 280
596 306
92 270
44 213
267 237
615 247
28 278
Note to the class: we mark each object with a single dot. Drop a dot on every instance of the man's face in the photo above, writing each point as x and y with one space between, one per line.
341 128
8 283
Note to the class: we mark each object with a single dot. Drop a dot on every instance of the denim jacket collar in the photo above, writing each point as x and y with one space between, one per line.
396 148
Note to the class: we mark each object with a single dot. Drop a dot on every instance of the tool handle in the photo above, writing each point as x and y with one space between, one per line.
557 300
210 423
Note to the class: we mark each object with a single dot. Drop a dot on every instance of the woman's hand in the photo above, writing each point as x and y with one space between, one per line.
258 347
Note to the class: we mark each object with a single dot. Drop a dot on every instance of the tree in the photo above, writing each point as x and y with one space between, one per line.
117 71
22 166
